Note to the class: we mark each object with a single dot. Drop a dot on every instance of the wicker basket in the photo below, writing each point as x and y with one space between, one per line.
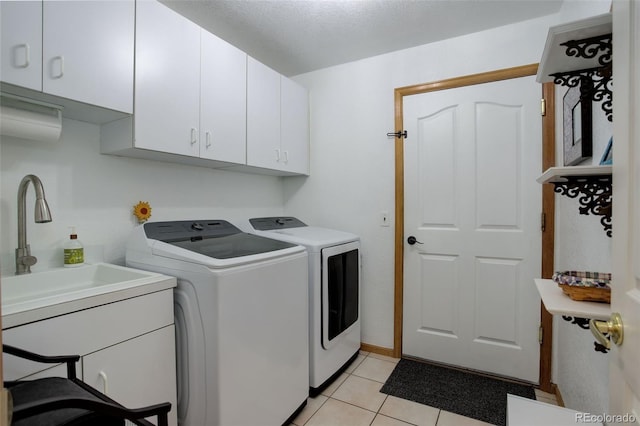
589 294
585 286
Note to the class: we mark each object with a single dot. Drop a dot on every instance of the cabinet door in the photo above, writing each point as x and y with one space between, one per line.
167 81
88 52
263 116
223 100
294 128
21 43
138 372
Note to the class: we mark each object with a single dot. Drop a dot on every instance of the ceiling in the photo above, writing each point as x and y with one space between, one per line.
297 36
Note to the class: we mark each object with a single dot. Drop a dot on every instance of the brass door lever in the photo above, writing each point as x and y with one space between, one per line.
614 328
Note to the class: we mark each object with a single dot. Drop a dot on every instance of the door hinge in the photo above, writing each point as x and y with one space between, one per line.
543 221
543 107
540 334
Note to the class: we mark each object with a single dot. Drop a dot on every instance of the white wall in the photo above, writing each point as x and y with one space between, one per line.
581 373
352 161
96 193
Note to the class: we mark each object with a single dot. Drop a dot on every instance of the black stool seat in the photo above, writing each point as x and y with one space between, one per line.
57 389
57 401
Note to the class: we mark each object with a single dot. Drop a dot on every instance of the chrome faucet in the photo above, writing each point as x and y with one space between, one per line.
24 260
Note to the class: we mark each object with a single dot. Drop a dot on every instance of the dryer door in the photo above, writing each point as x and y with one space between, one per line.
340 290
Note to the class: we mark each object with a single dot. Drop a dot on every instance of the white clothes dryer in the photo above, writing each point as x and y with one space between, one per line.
241 320
334 293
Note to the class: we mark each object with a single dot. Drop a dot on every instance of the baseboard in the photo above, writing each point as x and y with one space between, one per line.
556 391
4 408
377 349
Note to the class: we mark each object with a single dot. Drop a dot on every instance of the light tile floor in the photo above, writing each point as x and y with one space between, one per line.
354 399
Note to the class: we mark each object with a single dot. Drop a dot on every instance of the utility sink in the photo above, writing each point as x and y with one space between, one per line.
39 295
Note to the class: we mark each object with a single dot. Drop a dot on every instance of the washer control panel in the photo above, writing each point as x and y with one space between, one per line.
275 223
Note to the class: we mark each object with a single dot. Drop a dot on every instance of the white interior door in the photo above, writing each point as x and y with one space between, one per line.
472 201
624 380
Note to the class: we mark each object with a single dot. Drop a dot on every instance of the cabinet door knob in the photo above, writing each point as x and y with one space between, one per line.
207 138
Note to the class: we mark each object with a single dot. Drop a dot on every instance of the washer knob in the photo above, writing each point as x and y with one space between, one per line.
196 226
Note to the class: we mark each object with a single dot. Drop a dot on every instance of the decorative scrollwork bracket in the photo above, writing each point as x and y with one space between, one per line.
594 193
601 89
583 323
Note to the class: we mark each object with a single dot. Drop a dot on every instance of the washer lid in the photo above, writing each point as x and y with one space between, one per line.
232 246
216 239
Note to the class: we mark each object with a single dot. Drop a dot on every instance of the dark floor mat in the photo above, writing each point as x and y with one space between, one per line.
453 390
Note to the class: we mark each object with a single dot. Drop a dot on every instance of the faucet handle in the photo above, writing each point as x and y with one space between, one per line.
24 261
24 264
28 260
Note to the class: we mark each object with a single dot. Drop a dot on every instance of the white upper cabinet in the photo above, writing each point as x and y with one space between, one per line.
201 101
21 43
294 127
263 116
167 78
223 100
88 52
76 50
277 121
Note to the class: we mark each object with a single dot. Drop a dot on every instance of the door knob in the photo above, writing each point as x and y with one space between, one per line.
613 327
412 240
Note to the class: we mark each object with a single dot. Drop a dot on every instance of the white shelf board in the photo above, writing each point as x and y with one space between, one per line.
554 58
526 412
557 174
558 303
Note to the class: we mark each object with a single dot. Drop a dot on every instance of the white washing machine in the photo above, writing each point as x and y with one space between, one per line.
241 320
334 293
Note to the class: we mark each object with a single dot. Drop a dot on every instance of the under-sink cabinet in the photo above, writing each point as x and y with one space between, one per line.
79 51
127 349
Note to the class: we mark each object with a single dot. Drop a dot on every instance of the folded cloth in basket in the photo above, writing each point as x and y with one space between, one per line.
583 279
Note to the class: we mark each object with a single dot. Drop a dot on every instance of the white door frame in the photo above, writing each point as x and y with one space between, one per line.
624 374
548 155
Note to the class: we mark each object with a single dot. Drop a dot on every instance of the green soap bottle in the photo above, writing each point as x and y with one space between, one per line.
73 251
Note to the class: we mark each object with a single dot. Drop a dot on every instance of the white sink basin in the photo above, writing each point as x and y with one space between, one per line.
39 295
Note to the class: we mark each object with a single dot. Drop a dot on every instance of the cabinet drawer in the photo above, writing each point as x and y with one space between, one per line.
83 332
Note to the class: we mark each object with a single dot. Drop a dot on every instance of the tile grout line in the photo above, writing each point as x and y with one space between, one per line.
329 396
377 412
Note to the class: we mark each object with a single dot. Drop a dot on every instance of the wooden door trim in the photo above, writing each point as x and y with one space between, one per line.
548 232
547 201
